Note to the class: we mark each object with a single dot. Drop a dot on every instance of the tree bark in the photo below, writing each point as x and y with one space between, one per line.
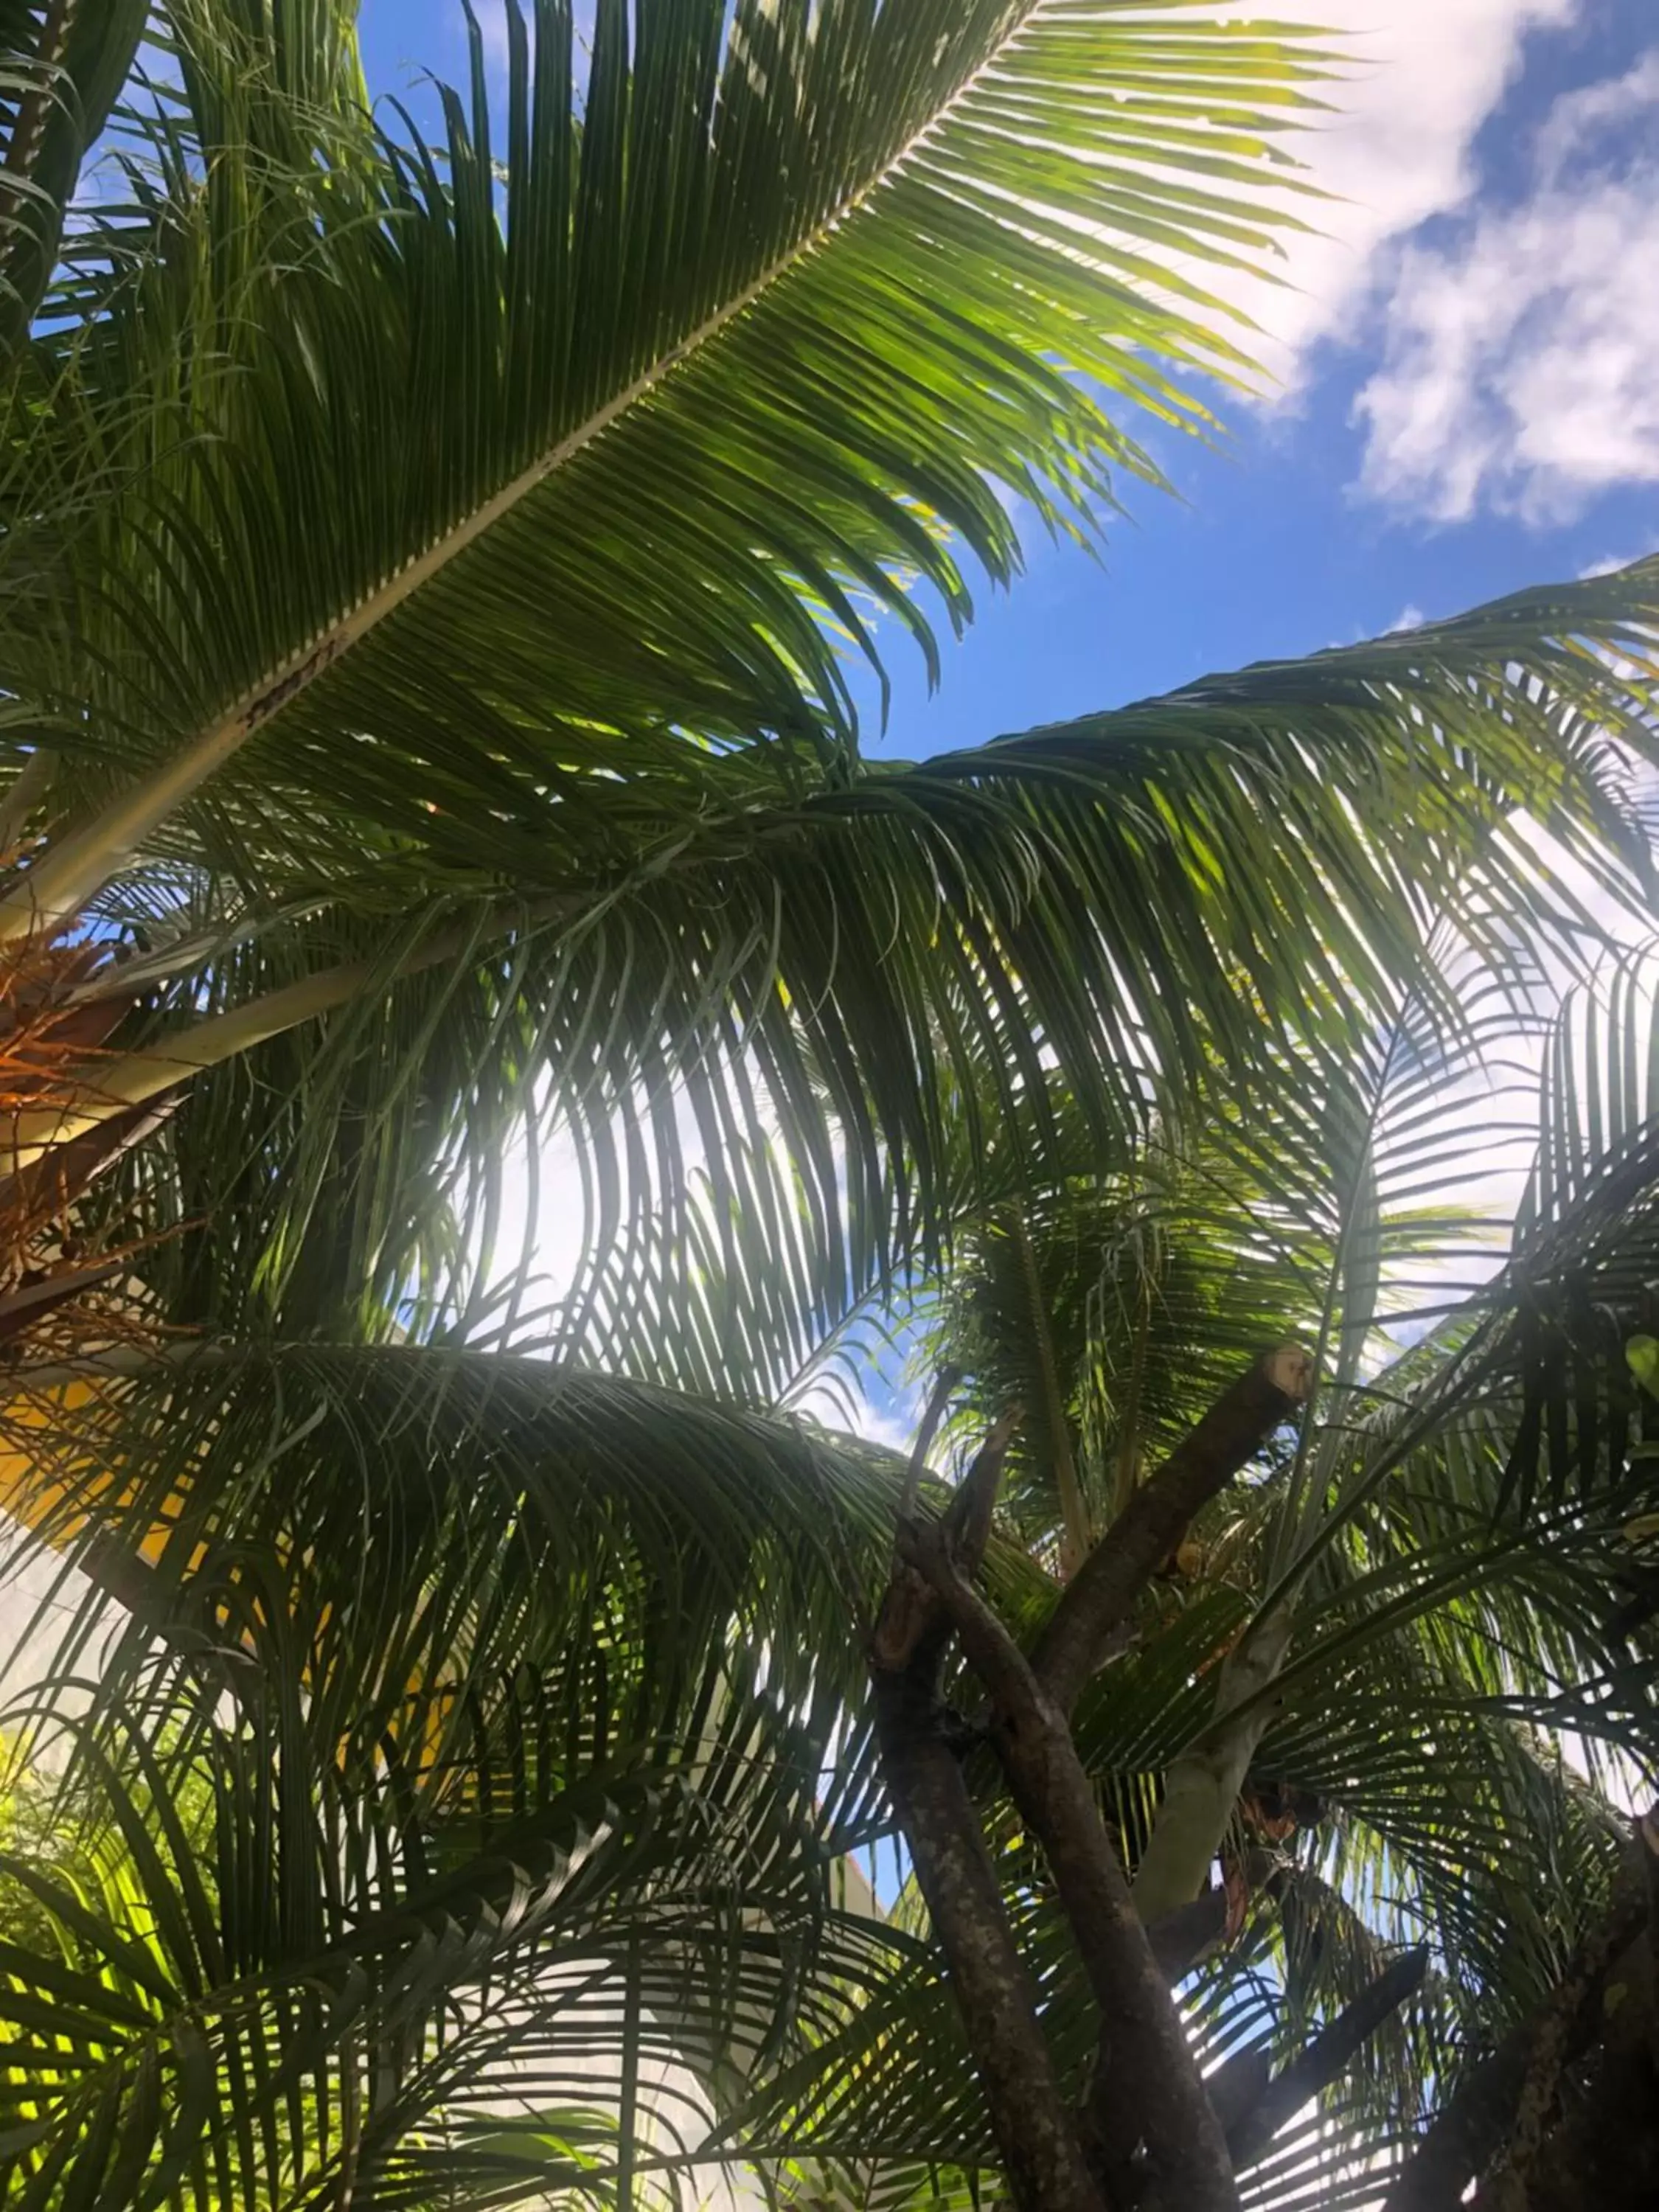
1156 1518
1037 2133
1161 2143
1476 2122
1327 2058
1037 2136
1154 2142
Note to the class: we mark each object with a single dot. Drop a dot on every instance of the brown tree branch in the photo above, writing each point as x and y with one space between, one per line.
911 1626
1037 2134
1100 1596
1161 2143
1327 2058
1037 2137
1181 1938
1472 2126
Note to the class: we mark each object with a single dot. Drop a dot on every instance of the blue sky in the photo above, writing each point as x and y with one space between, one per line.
1467 370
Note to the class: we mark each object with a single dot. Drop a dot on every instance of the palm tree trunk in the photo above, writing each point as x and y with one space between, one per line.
1158 2141
1038 2135
1502 2141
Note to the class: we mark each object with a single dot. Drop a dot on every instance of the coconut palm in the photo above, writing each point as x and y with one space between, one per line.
345 708
1343 1678
478 1741
427 581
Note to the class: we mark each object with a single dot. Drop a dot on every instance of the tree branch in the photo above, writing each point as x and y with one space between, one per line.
1152 1523
1181 1938
911 1627
1472 2126
1327 2058
1037 2136
1161 2142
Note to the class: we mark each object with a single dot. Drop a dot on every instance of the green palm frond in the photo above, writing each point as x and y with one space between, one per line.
595 1517
448 879
1443 1626
771 1023
490 2008
63 63
478 1828
1575 1295
744 298
429 568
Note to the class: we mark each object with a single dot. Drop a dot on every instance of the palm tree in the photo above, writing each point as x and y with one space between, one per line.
346 708
462 1745
1343 1679
485 1734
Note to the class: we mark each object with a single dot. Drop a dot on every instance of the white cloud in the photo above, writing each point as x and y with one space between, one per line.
1609 562
1419 78
1521 364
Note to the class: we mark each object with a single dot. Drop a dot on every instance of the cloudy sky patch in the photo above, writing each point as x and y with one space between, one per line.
1519 359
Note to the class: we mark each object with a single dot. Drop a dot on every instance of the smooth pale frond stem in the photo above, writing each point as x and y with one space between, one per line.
140 1076
116 1363
27 790
1202 1785
1101 1595
135 1077
53 892
933 1415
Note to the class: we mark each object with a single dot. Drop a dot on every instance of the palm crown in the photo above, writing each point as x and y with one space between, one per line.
427 573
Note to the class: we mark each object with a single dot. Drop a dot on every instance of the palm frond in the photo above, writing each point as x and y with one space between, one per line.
328 1475
61 68
770 1027
747 255
490 2007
